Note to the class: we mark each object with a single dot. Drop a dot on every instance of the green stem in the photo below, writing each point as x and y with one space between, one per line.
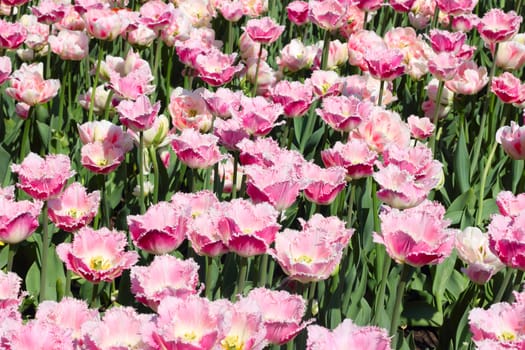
350 206
432 142
254 91
434 19
326 50
229 44
479 217
44 253
94 294
235 175
381 91
158 55
154 161
104 203
168 76
243 274
263 270
400 292
209 266
504 285
11 256
25 147
141 172
95 82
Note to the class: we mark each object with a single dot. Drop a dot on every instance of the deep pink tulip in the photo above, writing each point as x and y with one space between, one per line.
385 64
296 98
12 35
43 178
160 230
18 220
508 88
297 12
355 156
74 208
323 185
445 41
138 115
97 255
456 7
49 12
216 68
230 132
417 236
402 5
344 113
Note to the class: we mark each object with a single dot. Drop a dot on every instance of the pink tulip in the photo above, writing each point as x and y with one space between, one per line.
328 14
497 26
188 109
415 50
344 113
5 68
262 151
231 10
323 185
40 335
297 12
165 276
360 43
156 14
511 53
216 68
465 22
70 45
69 314
337 55
138 115
49 12
264 30
12 35
510 205
257 115
97 255
10 292
73 208
254 8
230 132
248 229
385 64
508 88
506 236
473 249
417 236
103 24
401 5
222 101
160 230
205 235
296 98
420 128
366 88
196 150
445 41
469 79
348 336
296 56
282 314
27 85
121 327
101 157
189 323
326 83
353 22
43 178
443 66
456 7
18 220
355 156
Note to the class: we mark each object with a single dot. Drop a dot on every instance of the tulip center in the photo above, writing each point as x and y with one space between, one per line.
190 336
75 213
303 259
101 162
99 263
507 336
232 342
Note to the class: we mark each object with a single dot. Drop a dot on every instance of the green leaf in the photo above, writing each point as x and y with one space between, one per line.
5 159
442 275
419 313
461 163
44 132
33 279
517 171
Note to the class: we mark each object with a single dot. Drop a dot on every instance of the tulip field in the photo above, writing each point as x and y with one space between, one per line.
262 174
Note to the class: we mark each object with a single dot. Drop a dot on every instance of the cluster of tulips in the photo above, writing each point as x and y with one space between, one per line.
244 174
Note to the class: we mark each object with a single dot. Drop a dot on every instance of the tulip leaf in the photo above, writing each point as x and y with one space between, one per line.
5 159
442 275
420 313
44 132
33 279
461 162
517 171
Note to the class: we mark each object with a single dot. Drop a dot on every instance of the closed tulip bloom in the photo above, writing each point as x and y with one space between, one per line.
18 220
70 45
511 53
420 128
264 30
469 79
473 249
348 336
5 68
165 276
74 208
418 236
97 255
27 84
103 24
160 230
43 178
497 26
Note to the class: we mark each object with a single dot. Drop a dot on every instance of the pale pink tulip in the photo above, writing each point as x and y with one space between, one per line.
469 79
323 185
254 8
101 157
353 22
188 109
216 68
189 323
473 249
360 43
348 336
10 292
344 113
49 11
295 97
510 205
415 50
196 150
103 24
231 10
18 220
296 56
120 328
160 230
40 335
70 45
43 178
337 55
257 115
420 128
27 85
248 229
328 14
262 151
97 255
326 83
73 208
5 68
156 14
101 98
222 101
138 115
417 236
465 22
264 30
511 53
506 239
367 88
165 276
443 66
355 156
